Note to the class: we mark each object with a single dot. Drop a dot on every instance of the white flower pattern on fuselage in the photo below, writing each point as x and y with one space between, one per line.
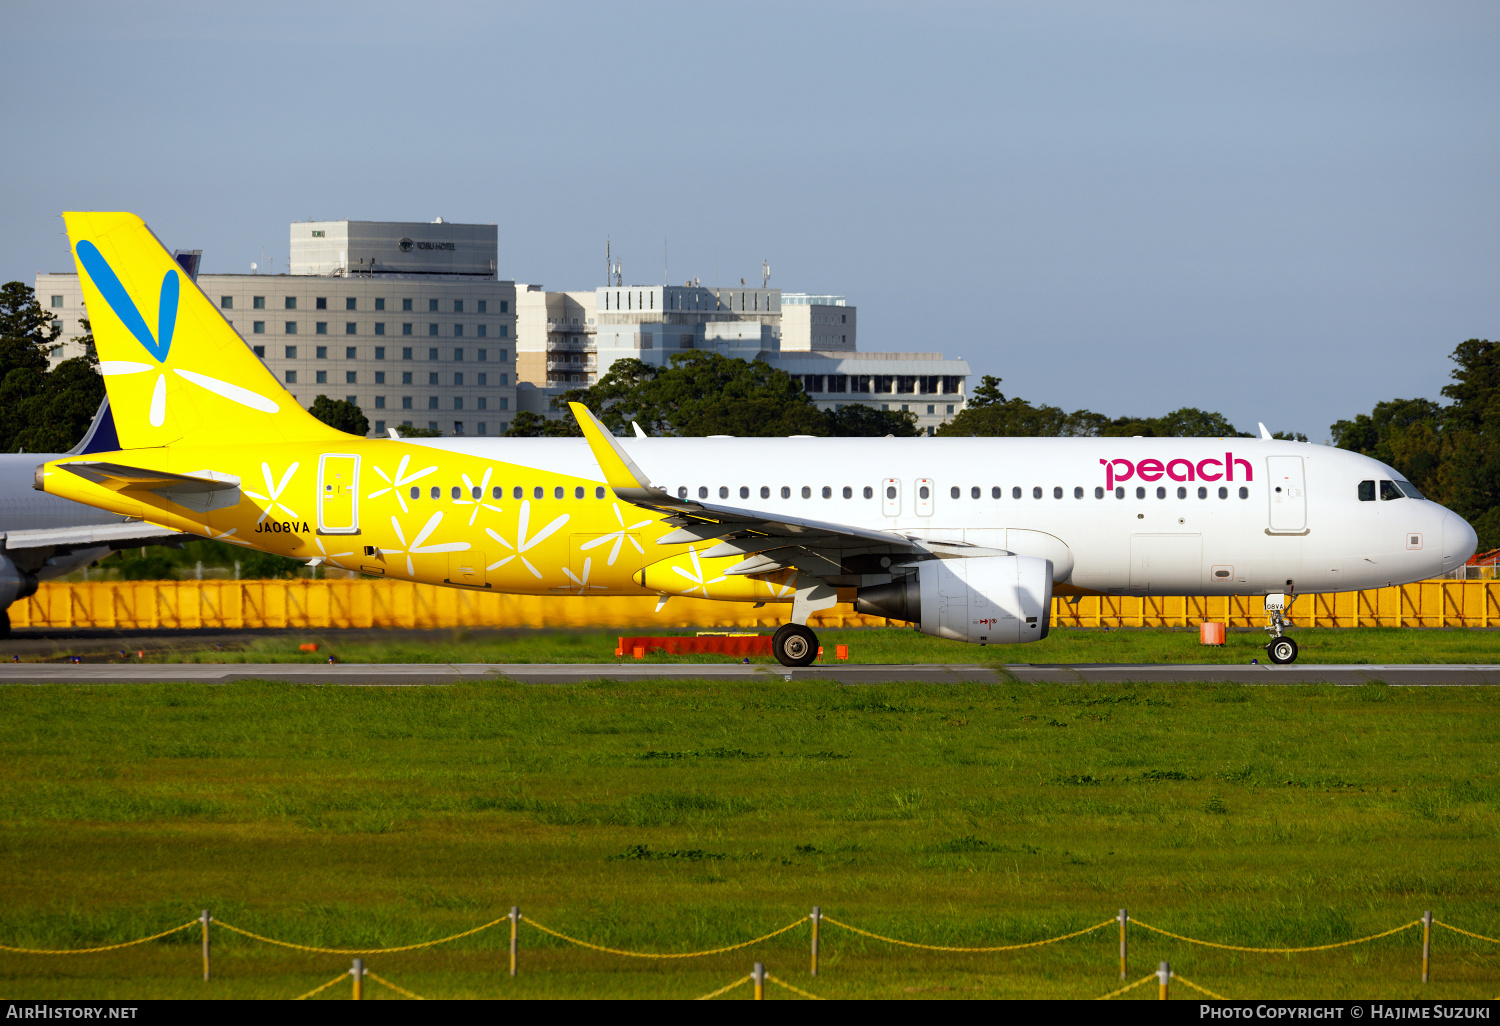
582 583
416 547
478 500
697 576
273 500
523 543
400 482
618 537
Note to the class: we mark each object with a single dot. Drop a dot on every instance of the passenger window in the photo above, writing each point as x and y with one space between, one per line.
1119 491
723 491
1015 493
869 492
1244 492
848 492
765 493
806 492
599 492
416 493
786 493
1057 492
1182 493
827 492
578 492
1161 493
456 492
1099 491
557 493
436 492
537 492
1077 493
476 493
924 492
517 492
744 492
995 492
1388 490
1367 491
955 492
497 492
1140 493
1202 492
702 492
1223 493
1036 493
682 492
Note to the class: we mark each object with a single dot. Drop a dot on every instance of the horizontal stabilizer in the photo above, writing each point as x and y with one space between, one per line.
122 478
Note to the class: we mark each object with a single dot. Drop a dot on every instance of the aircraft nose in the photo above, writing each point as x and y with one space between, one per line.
1459 541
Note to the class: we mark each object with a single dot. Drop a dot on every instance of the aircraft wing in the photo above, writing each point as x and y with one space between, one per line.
768 541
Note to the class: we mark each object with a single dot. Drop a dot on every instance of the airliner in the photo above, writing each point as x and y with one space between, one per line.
966 539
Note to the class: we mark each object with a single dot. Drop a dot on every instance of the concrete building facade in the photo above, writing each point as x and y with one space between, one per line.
410 345
816 323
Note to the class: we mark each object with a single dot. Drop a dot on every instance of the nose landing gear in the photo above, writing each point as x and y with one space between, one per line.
794 645
1280 649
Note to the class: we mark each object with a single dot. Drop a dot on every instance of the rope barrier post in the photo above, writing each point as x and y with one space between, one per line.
1163 977
358 972
1124 918
204 919
758 974
515 923
1426 941
817 917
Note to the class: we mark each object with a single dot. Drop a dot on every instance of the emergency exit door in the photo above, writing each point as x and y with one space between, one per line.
1288 494
338 494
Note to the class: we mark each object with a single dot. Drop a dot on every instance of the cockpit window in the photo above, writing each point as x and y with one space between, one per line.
1409 490
1388 490
1367 491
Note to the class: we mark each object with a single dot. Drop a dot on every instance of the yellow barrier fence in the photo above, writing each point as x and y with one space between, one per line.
218 604
759 976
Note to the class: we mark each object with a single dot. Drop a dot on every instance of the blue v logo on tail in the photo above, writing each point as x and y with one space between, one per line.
124 307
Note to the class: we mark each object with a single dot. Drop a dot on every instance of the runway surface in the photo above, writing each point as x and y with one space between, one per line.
561 673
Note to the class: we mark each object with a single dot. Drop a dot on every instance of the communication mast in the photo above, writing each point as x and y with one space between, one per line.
765 273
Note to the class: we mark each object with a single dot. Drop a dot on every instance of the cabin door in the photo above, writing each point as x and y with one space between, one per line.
338 494
1288 493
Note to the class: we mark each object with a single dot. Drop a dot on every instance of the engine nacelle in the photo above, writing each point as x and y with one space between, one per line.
993 600
15 583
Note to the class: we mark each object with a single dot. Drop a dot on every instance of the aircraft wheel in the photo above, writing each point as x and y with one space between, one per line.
794 645
1282 651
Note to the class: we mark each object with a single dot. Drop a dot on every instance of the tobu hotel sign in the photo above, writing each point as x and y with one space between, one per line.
407 245
1211 469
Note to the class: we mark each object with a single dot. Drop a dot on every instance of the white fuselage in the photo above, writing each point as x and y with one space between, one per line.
1115 515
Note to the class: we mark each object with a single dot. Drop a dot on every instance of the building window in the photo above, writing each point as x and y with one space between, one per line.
482 426
258 327
225 302
504 355
406 304
380 304
482 306
458 427
260 351
349 303
484 355
482 330
348 327
458 402
505 379
379 424
406 352
406 377
291 327
380 377
352 400
406 402
432 354
504 306
258 302
458 355
432 379
291 302
483 380
406 329
380 402
349 352
432 402
931 408
432 305
483 403
320 353
380 352
320 327
950 407
380 328
291 352
322 377
505 404
458 380
504 331
350 376
432 329
291 377
321 302
458 306
432 425
458 331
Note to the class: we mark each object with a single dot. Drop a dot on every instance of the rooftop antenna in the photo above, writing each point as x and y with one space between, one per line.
765 273
609 264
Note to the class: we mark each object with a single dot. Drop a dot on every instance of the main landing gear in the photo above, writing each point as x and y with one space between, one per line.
1280 649
794 645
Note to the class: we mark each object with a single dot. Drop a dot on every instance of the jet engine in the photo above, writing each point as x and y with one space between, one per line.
999 600
15 583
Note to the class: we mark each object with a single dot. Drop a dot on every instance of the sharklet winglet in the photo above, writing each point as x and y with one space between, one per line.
620 471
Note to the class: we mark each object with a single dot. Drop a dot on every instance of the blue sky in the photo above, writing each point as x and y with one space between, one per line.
1283 211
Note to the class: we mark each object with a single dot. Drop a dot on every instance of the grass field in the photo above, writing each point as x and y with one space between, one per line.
868 645
674 816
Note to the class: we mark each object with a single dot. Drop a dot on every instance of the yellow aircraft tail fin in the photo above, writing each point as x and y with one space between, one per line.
174 368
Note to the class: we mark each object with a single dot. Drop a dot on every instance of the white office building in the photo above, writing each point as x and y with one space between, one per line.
406 320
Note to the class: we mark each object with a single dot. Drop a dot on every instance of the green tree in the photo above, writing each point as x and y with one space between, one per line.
988 393
1016 418
533 425
57 414
857 420
27 334
412 431
340 414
